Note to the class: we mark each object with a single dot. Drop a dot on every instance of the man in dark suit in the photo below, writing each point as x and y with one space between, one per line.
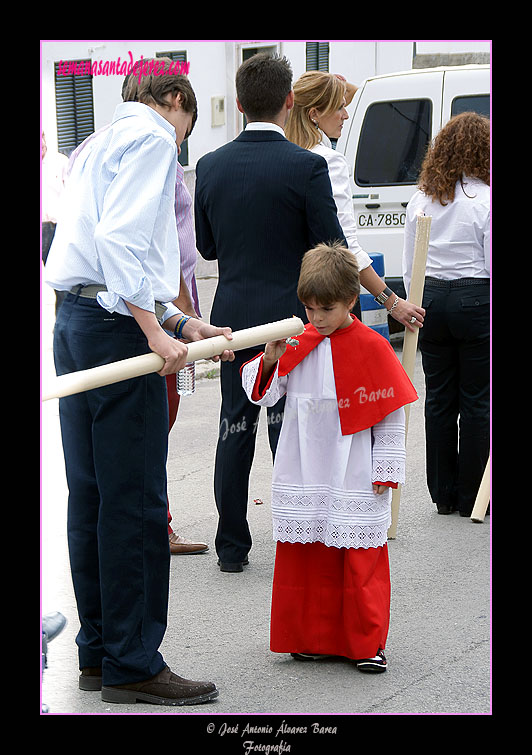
260 203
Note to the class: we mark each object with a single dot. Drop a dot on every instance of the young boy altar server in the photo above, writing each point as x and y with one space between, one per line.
341 450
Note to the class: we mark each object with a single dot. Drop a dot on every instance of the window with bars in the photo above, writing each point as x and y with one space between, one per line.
74 103
177 55
317 56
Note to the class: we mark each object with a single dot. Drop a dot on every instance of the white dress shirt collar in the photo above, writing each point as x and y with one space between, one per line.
128 109
264 126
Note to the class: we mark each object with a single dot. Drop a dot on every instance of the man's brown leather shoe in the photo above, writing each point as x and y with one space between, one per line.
90 679
180 546
165 688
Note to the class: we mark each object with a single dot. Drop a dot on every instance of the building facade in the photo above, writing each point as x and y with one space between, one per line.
82 79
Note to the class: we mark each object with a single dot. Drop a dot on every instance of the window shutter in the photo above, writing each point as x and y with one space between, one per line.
176 55
74 104
317 56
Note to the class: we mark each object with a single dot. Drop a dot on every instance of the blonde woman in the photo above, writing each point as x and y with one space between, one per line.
317 117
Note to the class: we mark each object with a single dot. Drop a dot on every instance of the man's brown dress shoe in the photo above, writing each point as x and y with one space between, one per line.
90 678
165 688
180 546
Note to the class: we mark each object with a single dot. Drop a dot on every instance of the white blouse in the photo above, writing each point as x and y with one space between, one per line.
459 243
322 480
343 196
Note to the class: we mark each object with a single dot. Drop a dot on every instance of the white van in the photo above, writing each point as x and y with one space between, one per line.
393 119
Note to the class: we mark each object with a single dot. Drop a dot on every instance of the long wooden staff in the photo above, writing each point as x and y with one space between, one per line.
86 380
415 296
483 496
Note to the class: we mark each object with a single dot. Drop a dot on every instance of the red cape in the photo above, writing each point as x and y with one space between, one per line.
370 380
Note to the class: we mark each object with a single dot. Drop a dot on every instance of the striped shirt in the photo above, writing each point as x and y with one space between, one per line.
186 234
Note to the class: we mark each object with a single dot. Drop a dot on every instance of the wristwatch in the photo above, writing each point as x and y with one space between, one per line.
383 297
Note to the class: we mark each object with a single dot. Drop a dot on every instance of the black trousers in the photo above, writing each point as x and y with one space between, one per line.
115 448
234 457
455 349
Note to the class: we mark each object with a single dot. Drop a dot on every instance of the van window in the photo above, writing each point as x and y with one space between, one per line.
476 103
393 141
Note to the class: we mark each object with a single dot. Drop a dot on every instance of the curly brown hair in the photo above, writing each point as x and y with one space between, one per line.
462 148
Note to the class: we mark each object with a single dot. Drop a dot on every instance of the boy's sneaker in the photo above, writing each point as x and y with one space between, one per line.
375 665
310 656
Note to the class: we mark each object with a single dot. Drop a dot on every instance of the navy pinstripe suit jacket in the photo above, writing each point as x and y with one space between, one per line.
260 203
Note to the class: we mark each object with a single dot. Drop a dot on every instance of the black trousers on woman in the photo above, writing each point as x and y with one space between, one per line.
455 349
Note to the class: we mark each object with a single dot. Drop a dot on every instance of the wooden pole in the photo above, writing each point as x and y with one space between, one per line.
86 380
483 496
415 296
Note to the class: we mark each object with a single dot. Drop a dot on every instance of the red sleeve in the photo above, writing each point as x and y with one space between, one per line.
257 395
388 484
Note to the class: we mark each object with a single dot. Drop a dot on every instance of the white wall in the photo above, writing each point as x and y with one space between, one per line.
441 46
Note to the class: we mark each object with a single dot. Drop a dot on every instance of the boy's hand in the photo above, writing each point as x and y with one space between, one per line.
273 351
379 489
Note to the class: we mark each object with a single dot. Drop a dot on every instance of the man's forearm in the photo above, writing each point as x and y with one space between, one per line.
147 321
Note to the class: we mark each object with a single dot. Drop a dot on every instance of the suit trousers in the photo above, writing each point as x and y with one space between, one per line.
234 457
455 350
115 449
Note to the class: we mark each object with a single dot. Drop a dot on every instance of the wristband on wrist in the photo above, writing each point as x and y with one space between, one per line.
383 297
178 330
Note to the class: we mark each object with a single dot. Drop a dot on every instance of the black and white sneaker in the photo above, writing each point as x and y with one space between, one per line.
375 665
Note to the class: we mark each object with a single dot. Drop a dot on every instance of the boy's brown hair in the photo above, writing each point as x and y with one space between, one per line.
329 274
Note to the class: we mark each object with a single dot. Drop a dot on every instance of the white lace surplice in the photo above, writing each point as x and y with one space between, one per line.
322 480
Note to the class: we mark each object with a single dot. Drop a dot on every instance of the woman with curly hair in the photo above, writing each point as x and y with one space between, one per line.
454 188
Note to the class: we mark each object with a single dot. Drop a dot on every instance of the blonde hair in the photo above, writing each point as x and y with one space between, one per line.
329 274
321 90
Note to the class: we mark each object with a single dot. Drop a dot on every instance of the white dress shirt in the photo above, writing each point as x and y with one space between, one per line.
343 197
459 243
264 126
117 222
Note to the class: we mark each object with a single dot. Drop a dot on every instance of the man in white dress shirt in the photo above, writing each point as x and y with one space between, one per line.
116 252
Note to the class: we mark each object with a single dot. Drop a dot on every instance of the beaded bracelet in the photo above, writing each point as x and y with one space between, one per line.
178 330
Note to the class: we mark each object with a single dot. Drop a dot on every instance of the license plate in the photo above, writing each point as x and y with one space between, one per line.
377 219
